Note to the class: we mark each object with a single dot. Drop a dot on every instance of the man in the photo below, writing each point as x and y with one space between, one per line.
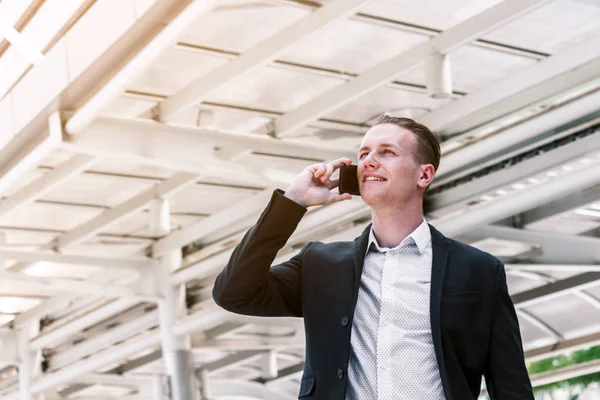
400 313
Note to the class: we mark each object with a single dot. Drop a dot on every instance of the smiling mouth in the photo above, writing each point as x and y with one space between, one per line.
373 179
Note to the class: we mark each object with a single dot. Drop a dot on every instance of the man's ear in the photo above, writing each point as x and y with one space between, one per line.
427 174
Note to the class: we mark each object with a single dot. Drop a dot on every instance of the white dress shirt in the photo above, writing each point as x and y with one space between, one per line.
392 354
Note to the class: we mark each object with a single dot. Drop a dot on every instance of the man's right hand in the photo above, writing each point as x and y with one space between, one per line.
312 187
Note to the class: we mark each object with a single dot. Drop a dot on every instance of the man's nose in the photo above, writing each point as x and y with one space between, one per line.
371 160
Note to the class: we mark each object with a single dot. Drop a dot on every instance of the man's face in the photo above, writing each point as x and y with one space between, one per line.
388 173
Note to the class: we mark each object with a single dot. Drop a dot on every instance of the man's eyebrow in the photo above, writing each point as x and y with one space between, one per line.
381 145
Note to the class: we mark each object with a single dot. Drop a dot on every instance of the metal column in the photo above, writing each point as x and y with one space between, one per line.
176 351
26 361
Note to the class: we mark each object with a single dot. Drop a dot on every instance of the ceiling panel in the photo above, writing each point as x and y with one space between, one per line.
530 334
553 27
474 68
242 26
437 14
97 190
567 314
208 199
518 284
137 224
352 45
174 70
49 216
273 88
386 99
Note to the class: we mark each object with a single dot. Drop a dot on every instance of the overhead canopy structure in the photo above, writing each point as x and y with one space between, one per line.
151 135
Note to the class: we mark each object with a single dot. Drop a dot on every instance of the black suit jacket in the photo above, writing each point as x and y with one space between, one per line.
473 321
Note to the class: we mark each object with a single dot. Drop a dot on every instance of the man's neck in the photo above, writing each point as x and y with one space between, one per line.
392 226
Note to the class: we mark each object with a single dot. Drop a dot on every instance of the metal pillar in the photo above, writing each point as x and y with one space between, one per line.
176 350
26 361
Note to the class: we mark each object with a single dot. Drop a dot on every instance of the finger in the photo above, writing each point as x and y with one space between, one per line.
335 197
342 160
328 173
320 170
332 183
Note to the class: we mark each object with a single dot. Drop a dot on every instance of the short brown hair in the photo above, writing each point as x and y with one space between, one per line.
428 147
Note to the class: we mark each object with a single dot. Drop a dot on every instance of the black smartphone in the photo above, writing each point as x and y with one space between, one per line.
349 180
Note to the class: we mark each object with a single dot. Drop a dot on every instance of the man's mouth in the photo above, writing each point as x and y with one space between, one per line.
374 179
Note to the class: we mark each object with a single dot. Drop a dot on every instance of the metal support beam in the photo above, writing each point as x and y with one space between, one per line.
22 153
516 139
561 374
45 184
257 56
26 360
555 248
556 289
46 339
189 148
212 224
380 74
176 350
286 373
461 195
566 203
71 285
563 346
556 65
525 199
31 256
86 113
97 343
115 214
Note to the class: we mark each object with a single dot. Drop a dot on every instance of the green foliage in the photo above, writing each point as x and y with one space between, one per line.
554 363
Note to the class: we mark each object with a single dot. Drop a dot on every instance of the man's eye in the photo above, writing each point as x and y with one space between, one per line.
387 151
361 156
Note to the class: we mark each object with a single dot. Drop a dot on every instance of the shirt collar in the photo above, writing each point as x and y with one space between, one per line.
421 236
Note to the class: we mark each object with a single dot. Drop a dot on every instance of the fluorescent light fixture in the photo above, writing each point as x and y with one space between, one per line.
17 40
588 213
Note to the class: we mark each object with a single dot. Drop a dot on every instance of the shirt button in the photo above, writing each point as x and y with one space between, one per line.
340 374
345 321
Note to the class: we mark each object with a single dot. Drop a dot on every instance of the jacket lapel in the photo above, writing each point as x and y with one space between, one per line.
360 250
441 252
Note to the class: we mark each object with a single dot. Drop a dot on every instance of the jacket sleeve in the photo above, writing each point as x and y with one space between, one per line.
506 374
248 284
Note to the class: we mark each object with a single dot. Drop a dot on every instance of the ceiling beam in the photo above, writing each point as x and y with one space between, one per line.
564 346
38 188
70 285
112 88
212 224
257 56
567 203
459 196
24 152
420 29
564 373
555 248
524 199
188 148
556 289
565 62
134 263
117 213
574 115
381 74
